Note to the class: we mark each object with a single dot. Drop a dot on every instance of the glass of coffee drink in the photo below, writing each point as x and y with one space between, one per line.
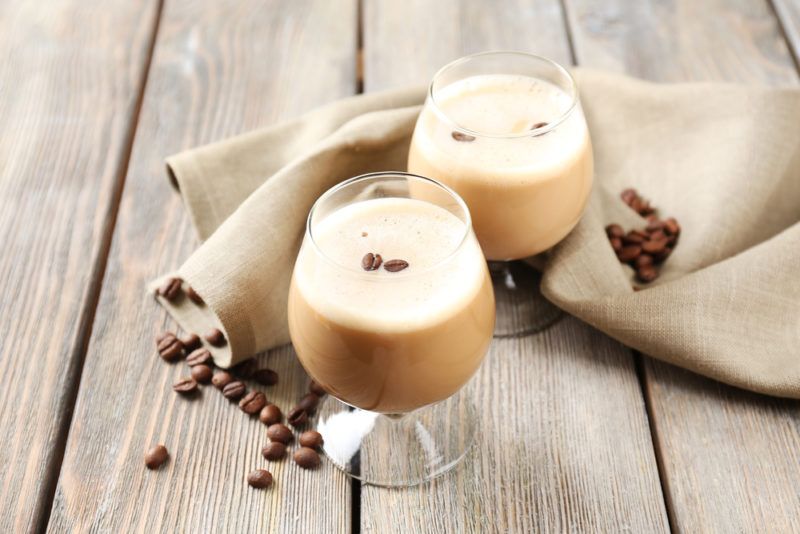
391 311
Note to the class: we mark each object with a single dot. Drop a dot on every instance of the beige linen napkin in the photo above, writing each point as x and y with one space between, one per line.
724 160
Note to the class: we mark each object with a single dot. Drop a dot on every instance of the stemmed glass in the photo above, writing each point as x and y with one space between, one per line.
391 310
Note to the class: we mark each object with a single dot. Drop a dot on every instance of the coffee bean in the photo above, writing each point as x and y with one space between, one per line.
156 457
297 416
643 261
185 386
647 273
192 294
245 369
221 379
654 225
634 238
274 450
654 246
170 289
664 254
316 389
279 432
259 479
306 458
462 137
234 390
616 243
394 266
311 439
202 373
614 230
628 195
199 357
266 377
309 402
190 341
672 227
538 125
252 403
629 253
270 414
371 262
215 337
169 347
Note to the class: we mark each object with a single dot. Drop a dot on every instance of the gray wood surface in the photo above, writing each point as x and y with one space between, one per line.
565 444
220 68
730 459
70 83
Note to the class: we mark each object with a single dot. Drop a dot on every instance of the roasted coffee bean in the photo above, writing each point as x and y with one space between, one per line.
215 337
221 379
647 273
654 225
309 402
538 125
279 432
156 457
394 266
185 386
266 377
169 347
202 373
316 389
663 255
628 195
629 253
252 403
306 458
371 262
634 238
245 369
616 244
274 450
171 288
192 294
643 261
311 439
656 235
297 416
199 357
672 227
259 479
191 341
656 246
464 138
234 390
614 230
270 414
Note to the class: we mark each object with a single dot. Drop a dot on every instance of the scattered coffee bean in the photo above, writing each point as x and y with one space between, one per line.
629 253
371 262
538 125
266 377
309 402
259 479
245 369
191 341
156 457
311 439
648 273
170 289
202 373
655 246
643 261
616 244
252 403
462 137
199 357
270 414
364 234
274 450
192 294
633 238
234 390
306 458
394 266
279 432
316 389
221 379
672 227
614 230
185 386
297 416
169 347
215 337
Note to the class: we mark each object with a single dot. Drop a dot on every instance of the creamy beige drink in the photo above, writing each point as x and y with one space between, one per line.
391 341
517 150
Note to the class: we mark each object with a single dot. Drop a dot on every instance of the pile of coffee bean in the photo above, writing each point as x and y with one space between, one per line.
644 249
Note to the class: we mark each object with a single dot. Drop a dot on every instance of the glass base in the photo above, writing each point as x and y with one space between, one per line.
397 450
522 310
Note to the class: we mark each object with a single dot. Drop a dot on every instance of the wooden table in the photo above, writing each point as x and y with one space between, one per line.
579 433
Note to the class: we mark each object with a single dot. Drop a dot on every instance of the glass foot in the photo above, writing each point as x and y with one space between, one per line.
521 308
397 450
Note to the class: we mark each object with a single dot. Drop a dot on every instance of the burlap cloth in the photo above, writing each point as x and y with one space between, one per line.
723 159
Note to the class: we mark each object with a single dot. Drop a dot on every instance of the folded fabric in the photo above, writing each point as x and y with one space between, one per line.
723 159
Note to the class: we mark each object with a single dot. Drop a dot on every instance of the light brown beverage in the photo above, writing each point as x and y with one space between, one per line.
391 341
526 186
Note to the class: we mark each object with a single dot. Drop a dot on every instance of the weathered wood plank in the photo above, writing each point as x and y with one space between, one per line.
564 444
729 458
71 77
219 68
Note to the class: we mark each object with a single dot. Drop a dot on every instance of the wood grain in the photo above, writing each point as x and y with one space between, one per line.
220 68
71 74
730 459
564 443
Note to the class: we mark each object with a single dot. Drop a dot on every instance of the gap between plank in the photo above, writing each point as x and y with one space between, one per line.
87 313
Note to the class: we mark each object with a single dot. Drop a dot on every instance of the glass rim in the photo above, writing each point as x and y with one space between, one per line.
388 174
531 133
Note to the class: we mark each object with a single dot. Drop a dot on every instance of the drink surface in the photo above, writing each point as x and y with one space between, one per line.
525 193
391 341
